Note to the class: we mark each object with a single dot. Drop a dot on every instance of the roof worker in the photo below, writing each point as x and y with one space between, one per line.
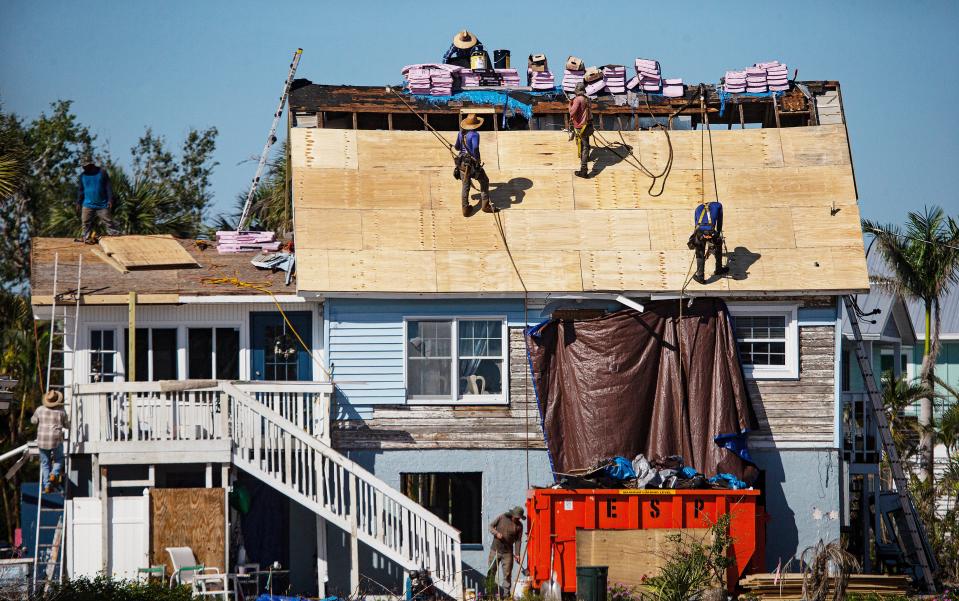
463 46
469 165
581 117
708 231
50 419
507 531
95 197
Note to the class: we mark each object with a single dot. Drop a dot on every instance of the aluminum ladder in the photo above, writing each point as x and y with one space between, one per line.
914 528
48 561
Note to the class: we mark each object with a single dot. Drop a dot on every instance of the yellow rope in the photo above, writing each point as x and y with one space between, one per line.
262 287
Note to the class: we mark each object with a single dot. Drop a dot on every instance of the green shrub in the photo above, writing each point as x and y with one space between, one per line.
104 588
694 567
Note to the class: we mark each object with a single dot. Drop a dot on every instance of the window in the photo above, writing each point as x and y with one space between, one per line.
102 355
456 497
768 341
156 354
213 353
472 369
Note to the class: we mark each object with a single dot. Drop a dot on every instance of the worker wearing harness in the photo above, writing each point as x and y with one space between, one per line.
582 120
708 219
468 164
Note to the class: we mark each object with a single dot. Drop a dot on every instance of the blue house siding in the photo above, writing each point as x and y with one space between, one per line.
364 341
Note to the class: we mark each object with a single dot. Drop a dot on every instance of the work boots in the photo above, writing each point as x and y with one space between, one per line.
487 205
467 209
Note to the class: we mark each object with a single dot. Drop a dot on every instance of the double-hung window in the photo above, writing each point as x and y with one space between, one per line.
455 359
102 355
768 341
156 354
213 353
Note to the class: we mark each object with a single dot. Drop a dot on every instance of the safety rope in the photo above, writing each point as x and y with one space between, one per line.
262 287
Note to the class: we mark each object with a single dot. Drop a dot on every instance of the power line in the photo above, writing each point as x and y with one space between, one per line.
875 230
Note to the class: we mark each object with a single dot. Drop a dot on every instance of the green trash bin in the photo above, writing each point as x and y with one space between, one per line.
591 583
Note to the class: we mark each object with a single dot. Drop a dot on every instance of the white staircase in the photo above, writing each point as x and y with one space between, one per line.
294 462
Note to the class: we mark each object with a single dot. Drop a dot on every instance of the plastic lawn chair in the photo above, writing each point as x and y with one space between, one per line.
207 582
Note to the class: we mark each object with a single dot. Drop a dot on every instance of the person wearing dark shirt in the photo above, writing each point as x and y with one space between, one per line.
507 531
95 198
707 231
469 165
464 43
582 120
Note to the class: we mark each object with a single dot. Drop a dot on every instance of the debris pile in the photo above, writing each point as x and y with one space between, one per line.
236 242
641 473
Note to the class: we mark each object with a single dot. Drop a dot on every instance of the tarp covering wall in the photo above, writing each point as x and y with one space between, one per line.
613 385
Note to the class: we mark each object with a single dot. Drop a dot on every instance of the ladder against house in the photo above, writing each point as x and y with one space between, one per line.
910 534
286 457
64 327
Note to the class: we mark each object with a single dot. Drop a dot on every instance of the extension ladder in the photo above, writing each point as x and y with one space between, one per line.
64 326
924 558
270 140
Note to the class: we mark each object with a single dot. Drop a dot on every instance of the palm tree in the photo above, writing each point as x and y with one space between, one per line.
271 209
897 395
923 258
12 156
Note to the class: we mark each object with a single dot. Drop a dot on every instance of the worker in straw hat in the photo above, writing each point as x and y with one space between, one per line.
507 531
50 419
464 44
469 166
581 118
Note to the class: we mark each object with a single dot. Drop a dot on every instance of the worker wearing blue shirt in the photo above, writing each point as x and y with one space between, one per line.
95 197
708 231
469 165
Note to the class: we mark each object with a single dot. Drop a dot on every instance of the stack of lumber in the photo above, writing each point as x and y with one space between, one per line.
788 587
236 242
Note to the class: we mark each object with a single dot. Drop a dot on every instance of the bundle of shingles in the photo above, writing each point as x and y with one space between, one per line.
648 76
541 80
615 78
235 242
430 78
771 76
571 79
510 77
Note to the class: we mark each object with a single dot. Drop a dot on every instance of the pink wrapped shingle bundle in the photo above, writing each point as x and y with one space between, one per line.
510 77
735 82
756 79
777 76
595 88
234 242
571 79
469 79
418 80
633 83
615 78
673 88
441 82
542 80
650 76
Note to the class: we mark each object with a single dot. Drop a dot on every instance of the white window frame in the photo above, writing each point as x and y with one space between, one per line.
455 398
789 371
119 365
211 326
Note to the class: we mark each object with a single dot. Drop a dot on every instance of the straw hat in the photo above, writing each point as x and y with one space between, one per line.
472 121
53 399
464 40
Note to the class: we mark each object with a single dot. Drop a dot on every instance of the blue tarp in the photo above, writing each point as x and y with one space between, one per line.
494 97
723 95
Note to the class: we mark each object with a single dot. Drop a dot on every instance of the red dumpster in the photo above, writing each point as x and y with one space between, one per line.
555 515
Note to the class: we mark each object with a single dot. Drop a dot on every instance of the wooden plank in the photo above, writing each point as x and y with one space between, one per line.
465 271
536 150
351 189
632 555
323 148
818 226
188 517
147 251
109 260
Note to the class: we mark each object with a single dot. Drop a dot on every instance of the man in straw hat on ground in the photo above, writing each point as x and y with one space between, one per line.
468 164
464 43
581 118
507 531
50 419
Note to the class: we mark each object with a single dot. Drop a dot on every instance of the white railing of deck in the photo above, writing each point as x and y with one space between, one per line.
284 456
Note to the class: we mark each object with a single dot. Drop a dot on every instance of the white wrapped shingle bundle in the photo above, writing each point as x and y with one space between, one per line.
673 88
777 76
756 79
649 74
542 80
615 78
735 82
510 77
571 79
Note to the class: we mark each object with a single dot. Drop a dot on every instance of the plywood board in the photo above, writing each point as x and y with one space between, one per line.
405 150
382 271
821 226
146 252
188 517
464 271
820 145
735 149
787 186
632 555
313 270
768 227
329 229
323 148
517 189
577 230
537 150
351 189
633 189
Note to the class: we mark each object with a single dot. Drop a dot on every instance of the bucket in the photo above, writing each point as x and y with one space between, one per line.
501 59
591 583
479 61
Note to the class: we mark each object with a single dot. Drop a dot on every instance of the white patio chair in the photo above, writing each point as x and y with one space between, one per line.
206 582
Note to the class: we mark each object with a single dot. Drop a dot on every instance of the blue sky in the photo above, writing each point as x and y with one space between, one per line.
175 65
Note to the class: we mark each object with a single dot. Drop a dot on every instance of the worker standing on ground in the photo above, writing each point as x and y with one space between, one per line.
581 117
95 197
708 231
468 164
507 531
50 419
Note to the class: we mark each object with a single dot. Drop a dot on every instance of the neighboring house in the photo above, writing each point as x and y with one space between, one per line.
429 426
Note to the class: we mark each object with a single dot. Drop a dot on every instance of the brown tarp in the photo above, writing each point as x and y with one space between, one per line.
613 386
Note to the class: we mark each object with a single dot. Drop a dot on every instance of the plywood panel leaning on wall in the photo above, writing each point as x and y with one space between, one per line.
188 517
